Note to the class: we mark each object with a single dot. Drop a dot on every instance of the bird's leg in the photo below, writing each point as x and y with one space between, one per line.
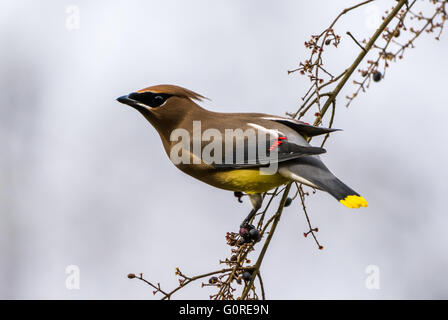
256 200
245 222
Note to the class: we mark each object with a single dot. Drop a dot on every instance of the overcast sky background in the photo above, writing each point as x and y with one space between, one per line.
84 180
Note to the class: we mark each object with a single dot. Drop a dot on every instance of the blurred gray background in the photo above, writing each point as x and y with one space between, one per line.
84 180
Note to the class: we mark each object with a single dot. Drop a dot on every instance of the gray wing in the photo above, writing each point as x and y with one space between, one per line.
277 150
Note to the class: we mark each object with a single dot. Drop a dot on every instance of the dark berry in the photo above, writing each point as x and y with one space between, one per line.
254 234
213 280
377 76
288 202
244 232
242 241
247 275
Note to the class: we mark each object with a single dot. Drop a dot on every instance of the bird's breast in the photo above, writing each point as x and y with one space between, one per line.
245 180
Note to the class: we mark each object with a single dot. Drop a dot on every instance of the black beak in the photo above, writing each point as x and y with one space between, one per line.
126 100
130 102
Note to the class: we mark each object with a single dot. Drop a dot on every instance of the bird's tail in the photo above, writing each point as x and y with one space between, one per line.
311 171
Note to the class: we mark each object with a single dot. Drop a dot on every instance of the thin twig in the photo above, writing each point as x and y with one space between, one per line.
356 41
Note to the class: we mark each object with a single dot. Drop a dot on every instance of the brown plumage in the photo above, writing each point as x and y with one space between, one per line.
169 107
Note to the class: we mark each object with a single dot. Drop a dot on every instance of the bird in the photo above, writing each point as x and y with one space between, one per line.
279 142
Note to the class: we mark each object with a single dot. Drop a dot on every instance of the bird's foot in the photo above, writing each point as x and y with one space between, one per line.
239 195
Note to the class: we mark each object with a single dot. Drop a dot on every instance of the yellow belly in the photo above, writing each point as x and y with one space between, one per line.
246 180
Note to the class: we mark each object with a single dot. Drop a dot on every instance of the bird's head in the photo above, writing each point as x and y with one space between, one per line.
162 100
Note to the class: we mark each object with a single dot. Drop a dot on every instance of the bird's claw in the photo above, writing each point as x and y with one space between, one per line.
239 195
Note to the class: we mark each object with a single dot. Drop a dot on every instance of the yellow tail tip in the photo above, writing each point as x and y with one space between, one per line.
354 202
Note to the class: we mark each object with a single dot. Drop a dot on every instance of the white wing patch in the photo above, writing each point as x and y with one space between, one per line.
273 132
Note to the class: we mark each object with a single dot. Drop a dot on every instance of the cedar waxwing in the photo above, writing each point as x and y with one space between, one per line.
173 113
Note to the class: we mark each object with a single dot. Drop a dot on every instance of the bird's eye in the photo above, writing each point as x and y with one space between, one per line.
158 100
150 99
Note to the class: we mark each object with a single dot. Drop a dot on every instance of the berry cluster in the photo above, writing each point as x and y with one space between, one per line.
249 234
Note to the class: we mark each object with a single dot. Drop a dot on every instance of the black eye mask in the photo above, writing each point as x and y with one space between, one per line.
150 99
